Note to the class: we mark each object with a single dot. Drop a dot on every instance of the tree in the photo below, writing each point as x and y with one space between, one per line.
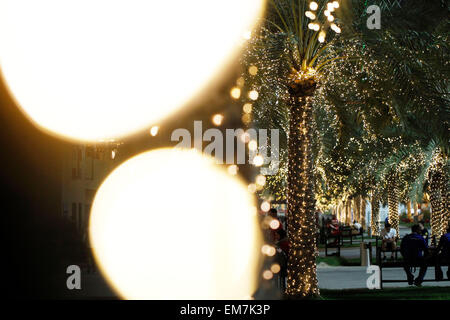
289 56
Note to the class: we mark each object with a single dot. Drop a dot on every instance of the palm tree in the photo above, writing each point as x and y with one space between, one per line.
290 56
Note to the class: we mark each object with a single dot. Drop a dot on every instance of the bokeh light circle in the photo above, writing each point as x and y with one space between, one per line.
171 224
100 69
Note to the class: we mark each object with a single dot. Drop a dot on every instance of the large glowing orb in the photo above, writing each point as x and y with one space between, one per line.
170 224
98 69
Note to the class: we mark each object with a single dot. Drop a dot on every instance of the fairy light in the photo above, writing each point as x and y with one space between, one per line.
274 224
154 130
260 180
240 82
313 6
265 206
252 145
310 15
233 169
330 18
253 95
235 93
217 119
252 187
258 161
267 275
245 137
275 268
321 37
247 108
253 70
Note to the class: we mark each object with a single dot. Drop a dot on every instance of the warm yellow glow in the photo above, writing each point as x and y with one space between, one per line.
246 118
258 161
330 7
247 108
313 5
265 206
252 188
253 95
260 180
335 28
253 70
267 275
245 137
154 130
252 145
163 226
235 93
240 81
275 268
217 119
233 169
336 4
322 35
310 15
247 35
274 224
100 69
330 18
113 154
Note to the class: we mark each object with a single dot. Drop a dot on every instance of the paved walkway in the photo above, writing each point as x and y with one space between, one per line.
356 277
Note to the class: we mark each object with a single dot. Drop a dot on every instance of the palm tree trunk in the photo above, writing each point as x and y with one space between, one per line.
393 201
362 211
436 206
375 211
408 208
301 278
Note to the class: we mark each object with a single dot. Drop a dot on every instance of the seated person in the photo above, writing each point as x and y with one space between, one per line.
414 250
334 229
389 240
443 254
424 231
357 226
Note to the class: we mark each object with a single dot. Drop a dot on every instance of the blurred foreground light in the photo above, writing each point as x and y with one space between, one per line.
235 93
265 206
258 161
154 131
163 226
99 69
217 119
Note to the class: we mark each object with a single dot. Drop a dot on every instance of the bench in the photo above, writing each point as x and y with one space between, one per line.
334 244
399 264
350 232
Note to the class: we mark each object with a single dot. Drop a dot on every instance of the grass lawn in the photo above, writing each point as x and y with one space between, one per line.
410 293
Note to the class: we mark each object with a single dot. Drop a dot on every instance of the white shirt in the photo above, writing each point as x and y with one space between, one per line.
357 225
388 235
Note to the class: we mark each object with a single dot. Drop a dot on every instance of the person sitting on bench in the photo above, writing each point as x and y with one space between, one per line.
334 230
414 250
357 225
424 231
443 254
388 237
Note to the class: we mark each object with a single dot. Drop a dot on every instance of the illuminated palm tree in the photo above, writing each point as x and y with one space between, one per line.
290 54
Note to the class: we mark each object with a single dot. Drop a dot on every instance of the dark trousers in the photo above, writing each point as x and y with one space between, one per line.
420 262
442 260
